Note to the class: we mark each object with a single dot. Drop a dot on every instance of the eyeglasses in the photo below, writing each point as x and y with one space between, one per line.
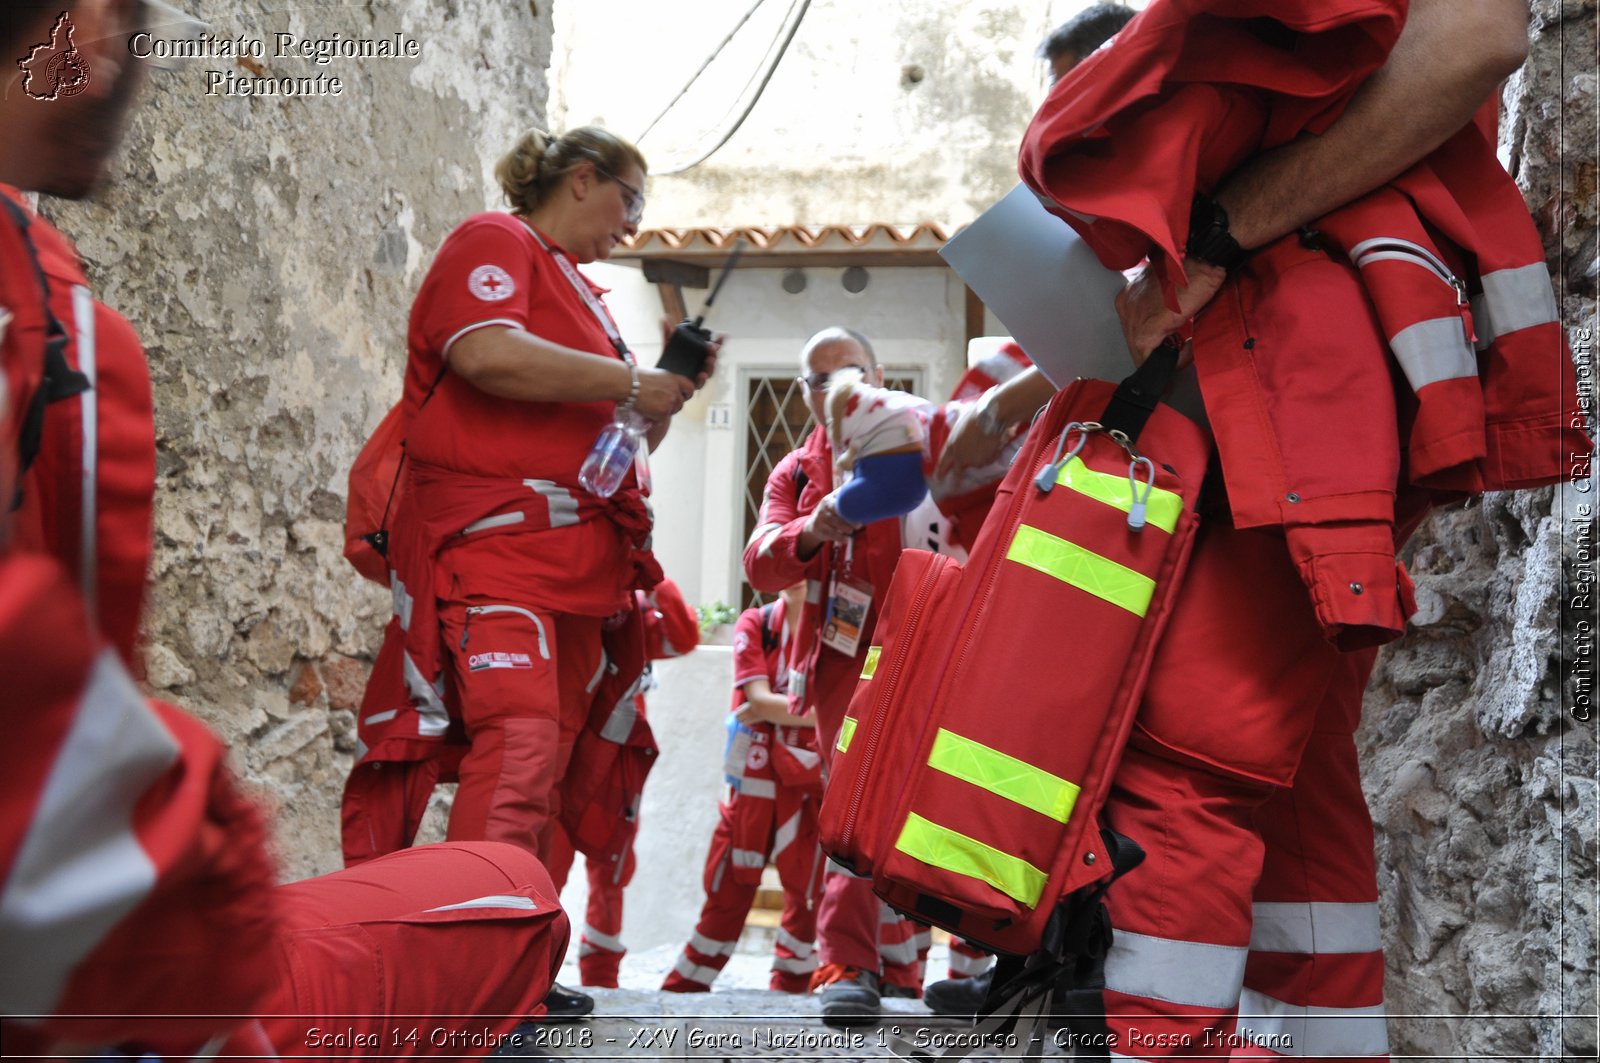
819 381
632 198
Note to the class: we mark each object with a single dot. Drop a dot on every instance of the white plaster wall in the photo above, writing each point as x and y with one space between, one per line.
914 316
842 133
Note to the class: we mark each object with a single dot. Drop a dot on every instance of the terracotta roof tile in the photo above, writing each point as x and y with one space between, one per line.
787 238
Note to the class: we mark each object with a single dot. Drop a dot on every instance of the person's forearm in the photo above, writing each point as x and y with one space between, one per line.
770 708
1450 56
515 364
1019 398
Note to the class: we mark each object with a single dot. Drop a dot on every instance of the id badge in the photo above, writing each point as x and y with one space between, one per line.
847 615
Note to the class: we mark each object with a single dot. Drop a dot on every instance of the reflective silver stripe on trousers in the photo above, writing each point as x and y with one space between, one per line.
402 600
1178 972
785 834
1293 1030
901 952
1513 299
599 673
814 591
619 724
710 946
380 717
795 965
1319 927
802 949
757 788
80 868
599 939
1434 350
523 904
687 968
960 963
563 507
748 858
500 520
428 700
89 405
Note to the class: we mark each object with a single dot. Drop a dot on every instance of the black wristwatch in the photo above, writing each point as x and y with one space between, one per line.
1209 238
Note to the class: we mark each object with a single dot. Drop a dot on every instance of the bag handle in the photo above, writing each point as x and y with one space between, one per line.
1137 396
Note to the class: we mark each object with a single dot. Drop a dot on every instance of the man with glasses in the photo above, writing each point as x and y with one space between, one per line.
801 536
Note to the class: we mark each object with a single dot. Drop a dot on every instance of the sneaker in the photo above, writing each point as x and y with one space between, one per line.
563 1005
891 991
963 997
851 998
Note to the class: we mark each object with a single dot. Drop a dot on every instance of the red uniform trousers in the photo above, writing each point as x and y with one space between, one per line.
968 960
600 945
472 933
522 676
1242 786
729 897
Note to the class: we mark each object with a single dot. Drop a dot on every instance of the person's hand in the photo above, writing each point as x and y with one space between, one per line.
1146 319
746 714
825 525
711 360
969 446
661 394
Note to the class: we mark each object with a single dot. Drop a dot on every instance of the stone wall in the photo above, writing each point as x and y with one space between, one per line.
267 250
1481 780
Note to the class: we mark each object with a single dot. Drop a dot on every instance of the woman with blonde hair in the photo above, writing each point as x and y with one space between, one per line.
507 567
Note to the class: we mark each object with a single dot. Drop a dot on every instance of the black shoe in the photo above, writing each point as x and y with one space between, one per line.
563 1005
522 1044
890 991
959 996
851 1001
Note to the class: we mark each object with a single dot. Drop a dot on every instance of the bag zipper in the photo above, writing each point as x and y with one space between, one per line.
474 610
1392 248
870 739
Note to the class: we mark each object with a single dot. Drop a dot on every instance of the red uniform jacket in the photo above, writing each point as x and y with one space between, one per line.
1298 353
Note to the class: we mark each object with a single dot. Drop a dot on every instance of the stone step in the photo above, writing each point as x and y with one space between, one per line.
740 1024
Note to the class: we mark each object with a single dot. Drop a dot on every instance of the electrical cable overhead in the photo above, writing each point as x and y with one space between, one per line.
775 53
687 85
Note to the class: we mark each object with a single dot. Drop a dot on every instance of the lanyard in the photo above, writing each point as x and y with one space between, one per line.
581 286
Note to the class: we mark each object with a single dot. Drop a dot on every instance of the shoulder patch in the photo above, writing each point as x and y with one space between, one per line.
491 284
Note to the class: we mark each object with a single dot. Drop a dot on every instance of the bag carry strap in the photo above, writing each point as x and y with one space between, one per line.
1059 985
1136 397
59 380
379 540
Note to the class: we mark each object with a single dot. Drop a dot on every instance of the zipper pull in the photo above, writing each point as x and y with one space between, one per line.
1137 512
1046 480
1464 308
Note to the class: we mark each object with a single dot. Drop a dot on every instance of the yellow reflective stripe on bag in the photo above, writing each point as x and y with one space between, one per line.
941 847
847 731
869 667
1163 508
1004 775
1082 568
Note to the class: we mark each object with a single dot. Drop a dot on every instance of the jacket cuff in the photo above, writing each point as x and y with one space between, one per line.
1361 594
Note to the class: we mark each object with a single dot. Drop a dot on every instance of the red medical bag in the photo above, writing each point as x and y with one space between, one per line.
979 746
